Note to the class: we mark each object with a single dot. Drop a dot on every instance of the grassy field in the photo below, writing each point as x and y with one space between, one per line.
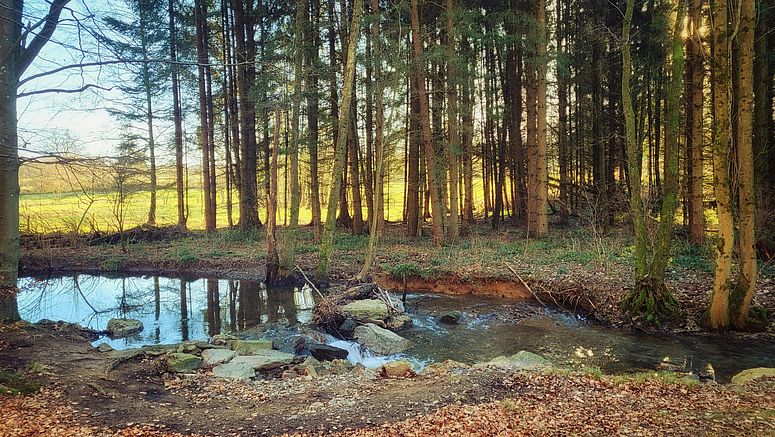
71 211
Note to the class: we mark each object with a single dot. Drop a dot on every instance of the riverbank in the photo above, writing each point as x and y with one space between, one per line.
83 391
573 269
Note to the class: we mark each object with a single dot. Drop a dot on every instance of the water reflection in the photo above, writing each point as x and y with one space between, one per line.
171 309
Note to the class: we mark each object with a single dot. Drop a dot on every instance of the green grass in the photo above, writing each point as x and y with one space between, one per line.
666 378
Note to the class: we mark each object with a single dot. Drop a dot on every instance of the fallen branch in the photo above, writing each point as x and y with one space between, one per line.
525 284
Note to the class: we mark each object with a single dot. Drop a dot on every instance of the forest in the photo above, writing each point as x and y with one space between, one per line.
387 217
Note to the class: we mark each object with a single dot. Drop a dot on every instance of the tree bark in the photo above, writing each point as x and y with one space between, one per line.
425 126
722 138
326 245
694 117
454 146
312 77
272 257
177 117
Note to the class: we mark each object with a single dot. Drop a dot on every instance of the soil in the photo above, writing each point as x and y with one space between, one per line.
87 392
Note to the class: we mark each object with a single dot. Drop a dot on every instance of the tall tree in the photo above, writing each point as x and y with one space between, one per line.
453 140
289 235
177 116
376 41
695 73
205 113
650 298
348 83
312 66
15 58
425 125
722 141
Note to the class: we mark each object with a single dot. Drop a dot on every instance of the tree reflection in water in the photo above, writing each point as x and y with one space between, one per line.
171 309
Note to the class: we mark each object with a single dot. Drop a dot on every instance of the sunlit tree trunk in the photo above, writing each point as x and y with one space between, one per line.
722 135
541 227
326 245
742 294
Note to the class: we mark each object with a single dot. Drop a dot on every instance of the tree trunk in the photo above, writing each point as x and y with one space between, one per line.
413 218
177 118
200 14
149 121
312 75
287 251
722 136
425 125
244 24
454 136
378 139
694 116
742 294
272 257
541 227
326 245
468 138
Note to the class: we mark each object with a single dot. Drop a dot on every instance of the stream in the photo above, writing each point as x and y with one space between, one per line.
178 309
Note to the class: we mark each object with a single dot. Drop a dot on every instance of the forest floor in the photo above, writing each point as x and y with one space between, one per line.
75 390
575 268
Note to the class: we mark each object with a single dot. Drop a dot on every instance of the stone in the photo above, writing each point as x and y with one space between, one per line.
451 317
381 341
120 328
367 310
183 363
522 360
397 369
250 347
325 352
266 359
399 322
347 327
232 370
749 375
188 348
214 357
222 339
104 347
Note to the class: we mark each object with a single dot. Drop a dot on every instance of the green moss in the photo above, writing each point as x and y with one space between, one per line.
17 383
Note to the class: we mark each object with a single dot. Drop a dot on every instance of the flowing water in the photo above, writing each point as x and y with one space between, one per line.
174 310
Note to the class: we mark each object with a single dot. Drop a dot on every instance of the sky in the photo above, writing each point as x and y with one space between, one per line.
82 115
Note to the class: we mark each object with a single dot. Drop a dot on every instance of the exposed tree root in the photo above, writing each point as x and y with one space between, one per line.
651 301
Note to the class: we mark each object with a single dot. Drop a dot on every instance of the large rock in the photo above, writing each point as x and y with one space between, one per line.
399 322
522 360
749 375
380 340
367 310
396 369
234 370
265 359
214 357
119 328
183 363
325 352
250 347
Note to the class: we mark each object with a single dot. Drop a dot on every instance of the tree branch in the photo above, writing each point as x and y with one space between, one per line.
60 90
32 50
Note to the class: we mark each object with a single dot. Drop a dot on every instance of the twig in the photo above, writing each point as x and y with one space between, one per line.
524 284
307 280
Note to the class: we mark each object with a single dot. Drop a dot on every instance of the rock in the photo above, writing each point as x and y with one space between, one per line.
451 317
250 347
399 322
380 340
222 339
668 366
183 363
367 310
234 370
307 368
325 352
188 348
214 357
266 359
104 347
749 375
522 360
397 369
347 327
119 328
